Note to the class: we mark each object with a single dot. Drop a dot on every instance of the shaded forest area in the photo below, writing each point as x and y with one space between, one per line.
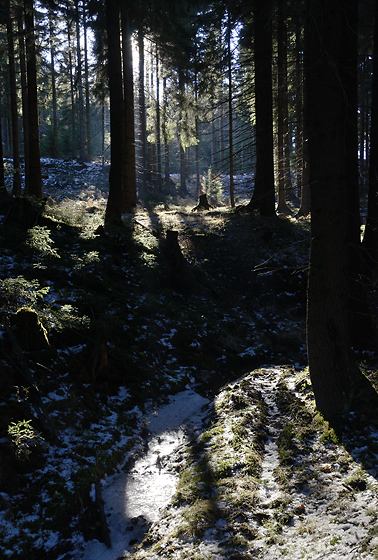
120 283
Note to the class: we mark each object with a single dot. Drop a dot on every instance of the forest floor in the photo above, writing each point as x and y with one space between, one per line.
98 329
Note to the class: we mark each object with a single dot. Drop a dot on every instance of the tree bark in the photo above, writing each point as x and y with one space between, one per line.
34 164
338 384
263 198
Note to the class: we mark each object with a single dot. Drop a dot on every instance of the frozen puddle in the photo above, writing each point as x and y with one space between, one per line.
135 498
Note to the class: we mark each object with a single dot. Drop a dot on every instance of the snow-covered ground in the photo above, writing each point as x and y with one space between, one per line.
327 508
135 497
319 503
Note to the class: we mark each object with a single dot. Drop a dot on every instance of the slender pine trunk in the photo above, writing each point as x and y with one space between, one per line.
72 89
230 112
24 90
14 106
130 197
34 166
142 112
53 86
80 84
87 88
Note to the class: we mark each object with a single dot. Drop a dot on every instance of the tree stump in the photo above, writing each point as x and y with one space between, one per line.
203 204
172 250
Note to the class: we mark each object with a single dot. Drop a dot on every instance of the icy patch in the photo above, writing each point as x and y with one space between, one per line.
135 498
269 490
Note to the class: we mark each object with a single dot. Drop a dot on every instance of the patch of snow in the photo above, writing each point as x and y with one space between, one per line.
135 498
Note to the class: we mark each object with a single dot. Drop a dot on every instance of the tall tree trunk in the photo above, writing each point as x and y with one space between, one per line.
183 188
53 86
166 138
370 241
103 132
286 129
72 88
34 165
198 184
14 106
2 175
115 202
230 116
80 84
331 50
263 198
298 106
158 123
282 111
142 112
24 89
305 207
129 199
87 89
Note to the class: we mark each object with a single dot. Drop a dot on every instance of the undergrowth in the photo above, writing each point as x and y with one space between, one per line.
124 325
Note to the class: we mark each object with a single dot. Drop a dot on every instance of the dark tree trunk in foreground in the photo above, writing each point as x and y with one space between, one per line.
263 198
34 165
114 206
14 110
370 242
331 48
